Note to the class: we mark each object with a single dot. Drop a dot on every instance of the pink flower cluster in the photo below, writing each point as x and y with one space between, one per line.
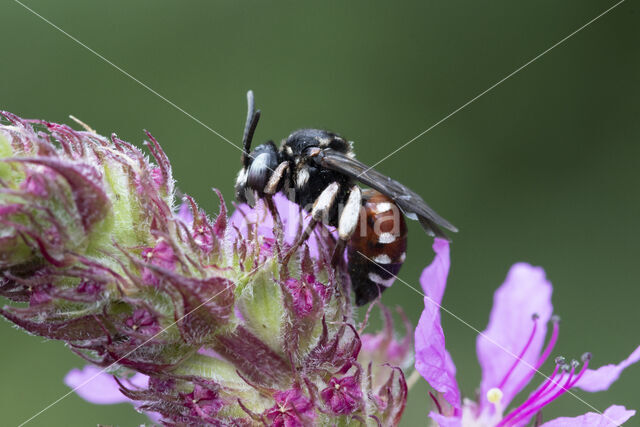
193 320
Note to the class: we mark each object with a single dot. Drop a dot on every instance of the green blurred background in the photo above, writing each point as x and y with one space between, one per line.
545 168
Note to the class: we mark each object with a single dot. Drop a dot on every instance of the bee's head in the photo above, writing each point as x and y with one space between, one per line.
254 176
257 165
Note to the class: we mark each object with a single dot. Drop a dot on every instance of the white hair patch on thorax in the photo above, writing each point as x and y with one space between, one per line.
324 142
302 178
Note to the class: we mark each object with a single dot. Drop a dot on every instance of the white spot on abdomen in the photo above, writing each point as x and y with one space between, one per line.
386 238
380 281
382 207
382 259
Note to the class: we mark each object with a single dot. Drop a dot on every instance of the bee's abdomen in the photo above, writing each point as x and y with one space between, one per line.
377 249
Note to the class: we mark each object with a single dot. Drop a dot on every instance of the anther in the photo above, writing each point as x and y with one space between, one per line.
555 318
560 360
586 357
535 316
575 363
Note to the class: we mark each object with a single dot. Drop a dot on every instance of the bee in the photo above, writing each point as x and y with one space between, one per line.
317 169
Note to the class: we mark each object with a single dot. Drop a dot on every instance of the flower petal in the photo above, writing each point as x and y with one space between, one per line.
525 292
432 359
614 416
184 214
444 421
434 278
290 214
96 386
600 379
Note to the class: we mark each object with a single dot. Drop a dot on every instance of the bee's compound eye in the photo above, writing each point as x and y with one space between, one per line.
259 171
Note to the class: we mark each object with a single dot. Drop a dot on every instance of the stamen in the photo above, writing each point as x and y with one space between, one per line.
563 389
560 362
545 354
535 318
586 358
565 367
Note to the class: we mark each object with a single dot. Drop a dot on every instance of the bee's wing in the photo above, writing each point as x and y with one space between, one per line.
408 201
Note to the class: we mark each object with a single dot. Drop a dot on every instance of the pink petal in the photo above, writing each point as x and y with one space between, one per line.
184 213
96 386
445 421
432 359
600 379
434 278
290 214
614 416
525 292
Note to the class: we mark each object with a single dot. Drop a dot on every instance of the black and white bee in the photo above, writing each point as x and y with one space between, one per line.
317 170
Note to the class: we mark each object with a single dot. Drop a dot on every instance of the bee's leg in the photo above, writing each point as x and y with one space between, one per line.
320 210
347 223
270 189
276 178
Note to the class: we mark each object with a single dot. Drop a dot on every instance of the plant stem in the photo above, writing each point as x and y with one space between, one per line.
413 379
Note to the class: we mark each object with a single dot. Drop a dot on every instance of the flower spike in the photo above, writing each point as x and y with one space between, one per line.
189 318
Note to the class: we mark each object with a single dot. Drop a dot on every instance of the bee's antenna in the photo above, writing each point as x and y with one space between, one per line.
249 128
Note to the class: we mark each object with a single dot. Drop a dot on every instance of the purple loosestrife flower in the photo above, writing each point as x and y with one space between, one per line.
193 320
510 351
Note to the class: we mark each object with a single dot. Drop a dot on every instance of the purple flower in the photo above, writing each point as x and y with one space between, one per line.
160 256
343 396
302 295
143 321
510 351
96 386
292 409
198 319
260 221
204 403
382 351
385 347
